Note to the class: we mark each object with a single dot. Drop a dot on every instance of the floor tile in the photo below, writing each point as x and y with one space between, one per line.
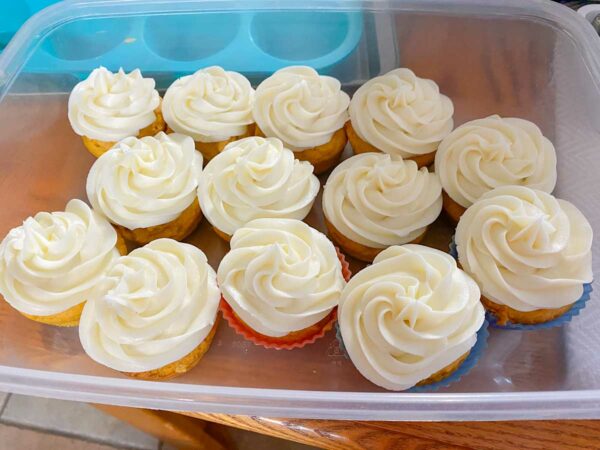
76 419
12 438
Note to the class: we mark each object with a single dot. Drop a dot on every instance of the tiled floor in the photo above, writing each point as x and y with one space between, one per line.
37 423
14 438
77 420
73 419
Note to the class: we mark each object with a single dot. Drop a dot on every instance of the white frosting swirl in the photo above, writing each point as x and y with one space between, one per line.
487 153
409 315
280 276
300 107
145 182
255 178
525 248
111 106
155 306
401 114
380 200
211 105
54 260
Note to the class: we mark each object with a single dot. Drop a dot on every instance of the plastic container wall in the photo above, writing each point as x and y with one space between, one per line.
535 60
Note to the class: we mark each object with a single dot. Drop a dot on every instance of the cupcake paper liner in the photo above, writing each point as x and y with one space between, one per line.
461 371
464 368
346 272
272 342
559 321
338 336
453 250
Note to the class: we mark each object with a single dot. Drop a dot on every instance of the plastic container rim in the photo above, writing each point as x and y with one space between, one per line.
478 406
580 404
36 28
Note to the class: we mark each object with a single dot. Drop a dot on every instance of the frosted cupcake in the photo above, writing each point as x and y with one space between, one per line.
107 107
529 252
213 106
307 111
255 178
488 153
50 264
411 318
374 200
155 313
147 187
281 282
400 114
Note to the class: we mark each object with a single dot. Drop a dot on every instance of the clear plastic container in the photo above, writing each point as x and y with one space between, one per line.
14 13
535 60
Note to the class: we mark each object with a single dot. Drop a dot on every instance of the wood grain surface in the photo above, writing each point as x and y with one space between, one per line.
354 435
178 431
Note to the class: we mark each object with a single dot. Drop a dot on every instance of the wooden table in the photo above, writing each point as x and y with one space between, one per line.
196 430
347 435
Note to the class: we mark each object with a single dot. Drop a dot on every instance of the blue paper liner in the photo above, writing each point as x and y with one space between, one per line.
461 371
338 336
559 321
453 250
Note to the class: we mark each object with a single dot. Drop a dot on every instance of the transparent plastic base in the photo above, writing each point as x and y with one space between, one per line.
536 60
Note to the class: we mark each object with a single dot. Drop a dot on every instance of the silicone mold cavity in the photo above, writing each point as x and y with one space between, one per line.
190 37
300 36
255 43
87 39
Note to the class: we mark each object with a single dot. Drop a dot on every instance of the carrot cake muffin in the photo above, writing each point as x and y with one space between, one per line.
107 107
50 264
307 111
282 279
411 318
374 200
147 187
529 252
400 114
255 178
488 153
155 313
213 106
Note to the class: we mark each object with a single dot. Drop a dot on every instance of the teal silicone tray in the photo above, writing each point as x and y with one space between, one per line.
252 42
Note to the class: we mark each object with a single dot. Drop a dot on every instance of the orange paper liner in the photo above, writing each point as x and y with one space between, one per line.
288 342
346 273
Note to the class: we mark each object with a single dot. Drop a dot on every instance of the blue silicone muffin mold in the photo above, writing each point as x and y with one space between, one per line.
250 42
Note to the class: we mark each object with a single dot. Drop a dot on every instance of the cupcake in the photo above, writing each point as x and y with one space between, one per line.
147 187
50 264
488 153
374 200
107 107
281 282
529 252
255 178
400 114
154 315
307 111
213 106
411 318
